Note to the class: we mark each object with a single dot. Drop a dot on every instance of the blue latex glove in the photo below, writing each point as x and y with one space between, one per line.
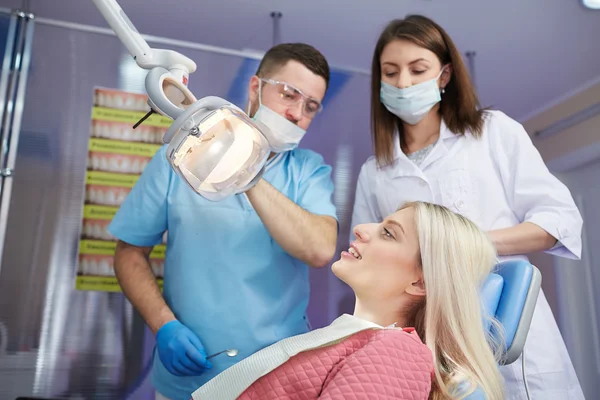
180 350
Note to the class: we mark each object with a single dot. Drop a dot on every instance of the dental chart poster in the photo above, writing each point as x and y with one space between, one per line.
117 155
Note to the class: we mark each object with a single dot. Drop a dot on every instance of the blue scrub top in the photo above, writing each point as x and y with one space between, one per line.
225 276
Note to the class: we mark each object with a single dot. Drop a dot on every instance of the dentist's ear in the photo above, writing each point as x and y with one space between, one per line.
253 86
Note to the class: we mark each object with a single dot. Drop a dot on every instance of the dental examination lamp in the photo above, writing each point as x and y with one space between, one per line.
213 145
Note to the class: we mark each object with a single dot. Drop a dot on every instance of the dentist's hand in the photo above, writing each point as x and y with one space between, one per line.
180 350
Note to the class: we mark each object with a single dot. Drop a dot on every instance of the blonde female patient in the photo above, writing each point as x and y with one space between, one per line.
416 331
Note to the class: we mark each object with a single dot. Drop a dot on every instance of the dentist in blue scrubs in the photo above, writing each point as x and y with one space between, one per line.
236 271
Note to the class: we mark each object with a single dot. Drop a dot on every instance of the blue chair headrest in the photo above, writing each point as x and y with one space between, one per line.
510 294
490 295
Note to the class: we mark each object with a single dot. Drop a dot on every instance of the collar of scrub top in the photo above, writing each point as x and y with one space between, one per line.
403 166
273 161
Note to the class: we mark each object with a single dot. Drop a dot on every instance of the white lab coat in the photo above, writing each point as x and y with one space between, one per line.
498 181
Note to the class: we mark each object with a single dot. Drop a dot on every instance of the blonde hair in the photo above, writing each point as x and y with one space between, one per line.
456 259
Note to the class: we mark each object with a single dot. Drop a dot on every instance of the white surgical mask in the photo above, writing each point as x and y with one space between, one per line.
413 103
282 134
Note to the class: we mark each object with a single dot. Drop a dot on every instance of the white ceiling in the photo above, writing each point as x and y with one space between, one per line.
529 52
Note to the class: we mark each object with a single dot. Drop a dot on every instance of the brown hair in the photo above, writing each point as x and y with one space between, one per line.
279 55
459 107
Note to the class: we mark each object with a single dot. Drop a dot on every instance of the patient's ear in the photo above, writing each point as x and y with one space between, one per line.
417 288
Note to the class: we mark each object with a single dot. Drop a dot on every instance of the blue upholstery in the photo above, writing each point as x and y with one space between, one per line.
517 278
510 294
477 395
490 296
522 283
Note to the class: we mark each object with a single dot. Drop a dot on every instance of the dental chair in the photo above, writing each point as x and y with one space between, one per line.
510 295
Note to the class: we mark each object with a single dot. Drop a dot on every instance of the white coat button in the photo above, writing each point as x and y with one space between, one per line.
460 204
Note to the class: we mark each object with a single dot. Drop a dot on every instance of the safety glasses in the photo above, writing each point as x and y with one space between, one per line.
290 96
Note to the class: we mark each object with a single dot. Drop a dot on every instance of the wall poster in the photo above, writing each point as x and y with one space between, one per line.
117 155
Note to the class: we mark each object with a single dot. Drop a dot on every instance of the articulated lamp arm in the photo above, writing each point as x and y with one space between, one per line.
166 83
213 145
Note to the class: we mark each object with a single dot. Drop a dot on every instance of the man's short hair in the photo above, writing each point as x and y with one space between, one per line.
279 55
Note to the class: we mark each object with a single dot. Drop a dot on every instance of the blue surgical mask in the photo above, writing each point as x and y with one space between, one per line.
413 103
282 134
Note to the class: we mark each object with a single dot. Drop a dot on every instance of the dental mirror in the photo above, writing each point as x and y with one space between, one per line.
229 352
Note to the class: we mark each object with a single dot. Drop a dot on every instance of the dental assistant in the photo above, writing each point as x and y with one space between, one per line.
433 143
236 271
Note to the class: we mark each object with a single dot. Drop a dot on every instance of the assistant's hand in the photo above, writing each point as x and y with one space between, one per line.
180 350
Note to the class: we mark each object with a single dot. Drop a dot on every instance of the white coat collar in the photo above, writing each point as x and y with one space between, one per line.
445 133
404 167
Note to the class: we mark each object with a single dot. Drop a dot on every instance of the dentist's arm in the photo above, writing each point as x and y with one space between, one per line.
179 349
550 220
140 224
135 277
524 238
302 234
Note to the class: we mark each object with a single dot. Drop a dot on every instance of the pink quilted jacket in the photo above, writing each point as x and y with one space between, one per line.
372 364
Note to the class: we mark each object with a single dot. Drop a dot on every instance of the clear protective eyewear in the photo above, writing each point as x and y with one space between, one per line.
216 148
291 95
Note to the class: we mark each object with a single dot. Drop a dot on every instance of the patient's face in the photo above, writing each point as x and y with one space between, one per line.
383 262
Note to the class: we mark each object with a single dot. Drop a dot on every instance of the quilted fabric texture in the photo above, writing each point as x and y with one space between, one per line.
373 364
